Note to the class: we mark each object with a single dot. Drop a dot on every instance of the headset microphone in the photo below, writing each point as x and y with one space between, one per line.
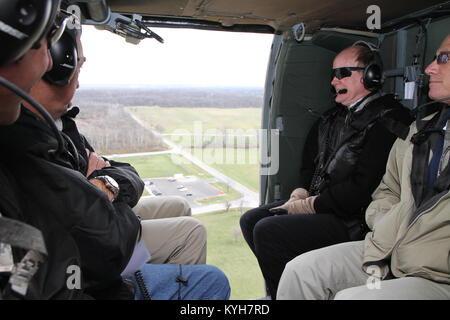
342 91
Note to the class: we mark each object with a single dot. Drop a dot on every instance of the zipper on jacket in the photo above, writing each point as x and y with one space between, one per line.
415 220
392 248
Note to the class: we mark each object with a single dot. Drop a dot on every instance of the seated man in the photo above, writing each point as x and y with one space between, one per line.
354 139
406 256
28 242
104 230
179 240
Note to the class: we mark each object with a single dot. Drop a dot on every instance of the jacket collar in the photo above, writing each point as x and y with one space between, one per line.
424 141
368 110
32 135
359 105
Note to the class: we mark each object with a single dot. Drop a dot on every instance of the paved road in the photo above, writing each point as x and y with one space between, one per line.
249 199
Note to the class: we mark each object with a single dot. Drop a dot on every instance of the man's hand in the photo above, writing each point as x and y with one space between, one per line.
95 163
298 206
101 185
299 194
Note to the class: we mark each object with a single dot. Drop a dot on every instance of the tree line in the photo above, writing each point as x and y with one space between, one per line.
111 130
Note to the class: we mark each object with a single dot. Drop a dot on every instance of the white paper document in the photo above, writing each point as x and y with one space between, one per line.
409 90
138 259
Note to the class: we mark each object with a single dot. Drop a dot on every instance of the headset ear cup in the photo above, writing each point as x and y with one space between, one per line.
373 76
30 20
65 59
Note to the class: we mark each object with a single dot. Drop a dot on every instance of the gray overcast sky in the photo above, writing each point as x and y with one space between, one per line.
187 58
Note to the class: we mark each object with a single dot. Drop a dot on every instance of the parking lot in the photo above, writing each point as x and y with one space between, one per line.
191 188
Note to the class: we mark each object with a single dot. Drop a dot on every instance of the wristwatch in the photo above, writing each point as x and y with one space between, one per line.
110 184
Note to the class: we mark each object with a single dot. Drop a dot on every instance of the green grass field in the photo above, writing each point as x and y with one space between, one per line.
228 251
172 120
229 194
244 168
165 165
241 164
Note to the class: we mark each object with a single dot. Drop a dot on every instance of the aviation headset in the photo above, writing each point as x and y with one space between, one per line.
65 59
23 24
373 76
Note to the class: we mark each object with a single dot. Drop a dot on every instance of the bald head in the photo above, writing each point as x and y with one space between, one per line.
352 86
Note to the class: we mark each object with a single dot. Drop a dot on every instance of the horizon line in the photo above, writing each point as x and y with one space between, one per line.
139 86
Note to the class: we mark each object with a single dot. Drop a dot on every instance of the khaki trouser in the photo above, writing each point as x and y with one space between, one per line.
335 272
162 207
171 235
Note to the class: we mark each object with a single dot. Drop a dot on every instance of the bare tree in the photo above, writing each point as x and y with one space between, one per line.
227 206
241 206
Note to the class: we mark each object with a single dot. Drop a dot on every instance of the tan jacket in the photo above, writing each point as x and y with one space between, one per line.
418 249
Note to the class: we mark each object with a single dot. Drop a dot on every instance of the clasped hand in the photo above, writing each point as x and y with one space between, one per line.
299 202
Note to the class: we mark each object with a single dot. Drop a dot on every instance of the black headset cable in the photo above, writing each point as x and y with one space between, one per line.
12 87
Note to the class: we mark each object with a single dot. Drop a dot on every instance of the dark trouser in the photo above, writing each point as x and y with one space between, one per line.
275 240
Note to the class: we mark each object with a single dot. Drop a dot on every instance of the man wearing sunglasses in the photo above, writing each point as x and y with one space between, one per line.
439 84
406 255
343 162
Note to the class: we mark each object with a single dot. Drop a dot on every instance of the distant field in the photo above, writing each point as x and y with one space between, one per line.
158 166
228 250
229 194
244 167
170 120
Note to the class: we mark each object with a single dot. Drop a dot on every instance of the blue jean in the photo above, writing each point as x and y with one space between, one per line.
204 282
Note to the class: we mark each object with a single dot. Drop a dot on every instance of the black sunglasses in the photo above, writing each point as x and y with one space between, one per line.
442 57
344 72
